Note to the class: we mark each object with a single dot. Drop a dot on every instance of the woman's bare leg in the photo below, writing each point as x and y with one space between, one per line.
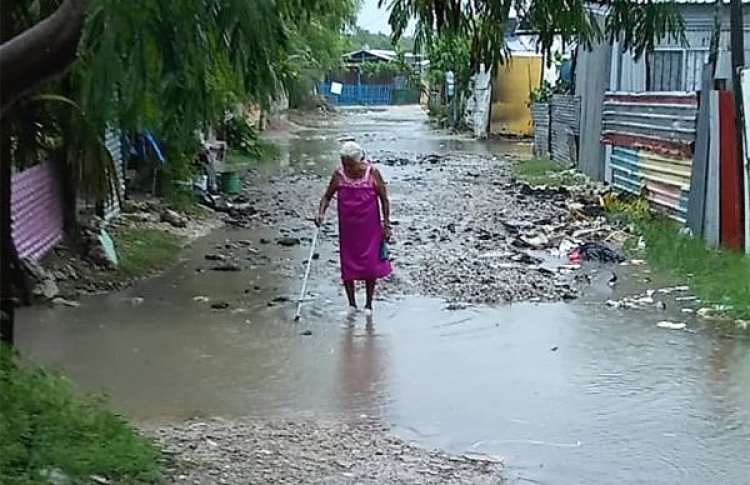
370 293
349 287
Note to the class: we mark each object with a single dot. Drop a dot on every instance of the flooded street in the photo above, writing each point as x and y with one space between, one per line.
564 392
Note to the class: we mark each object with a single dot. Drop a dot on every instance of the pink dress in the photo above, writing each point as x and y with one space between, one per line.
360 228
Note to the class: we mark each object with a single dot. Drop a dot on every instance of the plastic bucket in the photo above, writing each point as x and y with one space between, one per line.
230 183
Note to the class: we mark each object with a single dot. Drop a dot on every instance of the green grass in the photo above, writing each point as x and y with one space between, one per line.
260 151
143 251
45 426
543 171
181 199
717 276
236 158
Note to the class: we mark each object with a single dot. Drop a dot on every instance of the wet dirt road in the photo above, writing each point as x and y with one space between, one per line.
566 393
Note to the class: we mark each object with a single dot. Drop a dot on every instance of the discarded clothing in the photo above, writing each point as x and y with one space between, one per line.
592 251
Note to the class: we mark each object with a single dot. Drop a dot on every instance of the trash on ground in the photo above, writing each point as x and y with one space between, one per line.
714 313
593 251
108 247
673 289
671 325
641 302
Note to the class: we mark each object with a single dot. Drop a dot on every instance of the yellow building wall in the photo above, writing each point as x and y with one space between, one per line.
511 88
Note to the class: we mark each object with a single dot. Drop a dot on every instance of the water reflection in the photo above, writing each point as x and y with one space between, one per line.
361 368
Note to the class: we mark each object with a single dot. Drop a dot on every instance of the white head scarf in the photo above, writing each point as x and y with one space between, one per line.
352 151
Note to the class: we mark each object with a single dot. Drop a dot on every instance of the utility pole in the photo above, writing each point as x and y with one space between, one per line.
737 43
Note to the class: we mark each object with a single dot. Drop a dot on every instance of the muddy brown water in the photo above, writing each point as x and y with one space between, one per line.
566 393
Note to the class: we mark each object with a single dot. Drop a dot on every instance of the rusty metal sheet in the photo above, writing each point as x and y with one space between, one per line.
663 122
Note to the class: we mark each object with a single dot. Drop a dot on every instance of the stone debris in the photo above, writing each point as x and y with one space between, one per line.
288 241
67 303
671 325
315 452
173 218
227 267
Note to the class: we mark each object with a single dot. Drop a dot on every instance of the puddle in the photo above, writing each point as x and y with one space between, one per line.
567 393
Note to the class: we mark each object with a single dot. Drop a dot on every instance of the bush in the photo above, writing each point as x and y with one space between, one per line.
243 137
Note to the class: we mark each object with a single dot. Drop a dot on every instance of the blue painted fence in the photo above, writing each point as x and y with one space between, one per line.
359 94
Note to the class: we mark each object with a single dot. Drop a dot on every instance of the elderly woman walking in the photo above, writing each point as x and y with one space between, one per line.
361 197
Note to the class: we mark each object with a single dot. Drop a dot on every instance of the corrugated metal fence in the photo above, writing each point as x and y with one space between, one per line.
557 128
114 146
540 117
565 113
36 210
650 144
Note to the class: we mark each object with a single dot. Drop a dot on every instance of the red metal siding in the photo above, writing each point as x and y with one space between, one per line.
36 208
729 185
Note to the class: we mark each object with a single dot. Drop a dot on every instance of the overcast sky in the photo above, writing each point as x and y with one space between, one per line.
374 19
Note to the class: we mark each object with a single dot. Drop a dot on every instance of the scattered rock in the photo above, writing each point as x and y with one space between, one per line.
671 325
456 306
227 267
220 305
63 302
288 241
47 288
306 333
215 257
173 218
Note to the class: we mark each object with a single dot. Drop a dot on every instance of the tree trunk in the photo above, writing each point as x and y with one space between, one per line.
66 176
40 52
26 60
7 306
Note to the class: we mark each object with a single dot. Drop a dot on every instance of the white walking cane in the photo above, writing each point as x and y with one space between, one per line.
307 275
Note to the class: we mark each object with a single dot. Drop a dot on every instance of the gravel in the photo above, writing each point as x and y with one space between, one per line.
311 452
463 230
